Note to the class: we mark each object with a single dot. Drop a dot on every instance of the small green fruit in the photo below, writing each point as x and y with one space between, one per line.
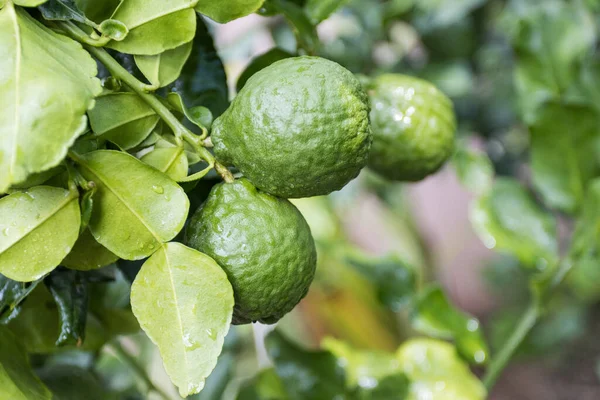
264 245
413 127
298 128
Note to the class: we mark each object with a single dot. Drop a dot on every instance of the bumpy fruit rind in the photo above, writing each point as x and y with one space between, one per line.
298 128
264 245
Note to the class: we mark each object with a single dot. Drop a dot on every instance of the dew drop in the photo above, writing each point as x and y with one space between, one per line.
158 189
5 231
211 333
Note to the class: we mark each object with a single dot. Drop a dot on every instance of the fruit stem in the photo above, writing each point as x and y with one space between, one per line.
180 131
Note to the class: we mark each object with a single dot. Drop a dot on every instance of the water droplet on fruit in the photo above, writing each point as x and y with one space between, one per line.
158 189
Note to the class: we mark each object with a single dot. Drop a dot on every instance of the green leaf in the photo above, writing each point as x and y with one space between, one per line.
305 374
137 208
550 39
38 228
123 118
70 382
433 315
195 300
17 380
43 97
261 62
63 10
436 372
474 169
364 368
563 164
12 293
171 161
87 254
390 387
320 10
199 115
114 29
29 3
37 325
224 12
164 68
203 81
508 218
304 29
395 281
155 25
584 251
264 386
98 10
70 292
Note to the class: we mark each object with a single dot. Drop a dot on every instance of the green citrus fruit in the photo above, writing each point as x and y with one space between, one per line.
298 128
413 127
264 245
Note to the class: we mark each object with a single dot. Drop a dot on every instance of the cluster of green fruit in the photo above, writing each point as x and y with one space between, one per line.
303 127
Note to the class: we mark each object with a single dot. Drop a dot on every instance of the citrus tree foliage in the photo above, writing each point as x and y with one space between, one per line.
109 113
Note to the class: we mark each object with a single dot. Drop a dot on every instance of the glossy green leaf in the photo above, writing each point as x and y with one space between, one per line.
305 374
63 10
38 327
38 178
184 303
155 25
137 208
474 169
319 10
87 254
395 281
70 292
17 380
508 218
223 12
168 160
260 62
435 316
203 81
123 118
38 228
563 164
164 68
437 373
12 293
43 97
364 368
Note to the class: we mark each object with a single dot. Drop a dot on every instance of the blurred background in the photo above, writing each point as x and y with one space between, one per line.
502 62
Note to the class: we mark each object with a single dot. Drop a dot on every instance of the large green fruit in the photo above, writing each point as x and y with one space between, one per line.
264 245
298 128
413 127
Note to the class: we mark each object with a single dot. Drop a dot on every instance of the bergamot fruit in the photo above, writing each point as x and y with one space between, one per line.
298 128
264 245
413 127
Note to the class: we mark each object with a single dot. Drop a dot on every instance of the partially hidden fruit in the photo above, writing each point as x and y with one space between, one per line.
264 245
413 127
298 128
